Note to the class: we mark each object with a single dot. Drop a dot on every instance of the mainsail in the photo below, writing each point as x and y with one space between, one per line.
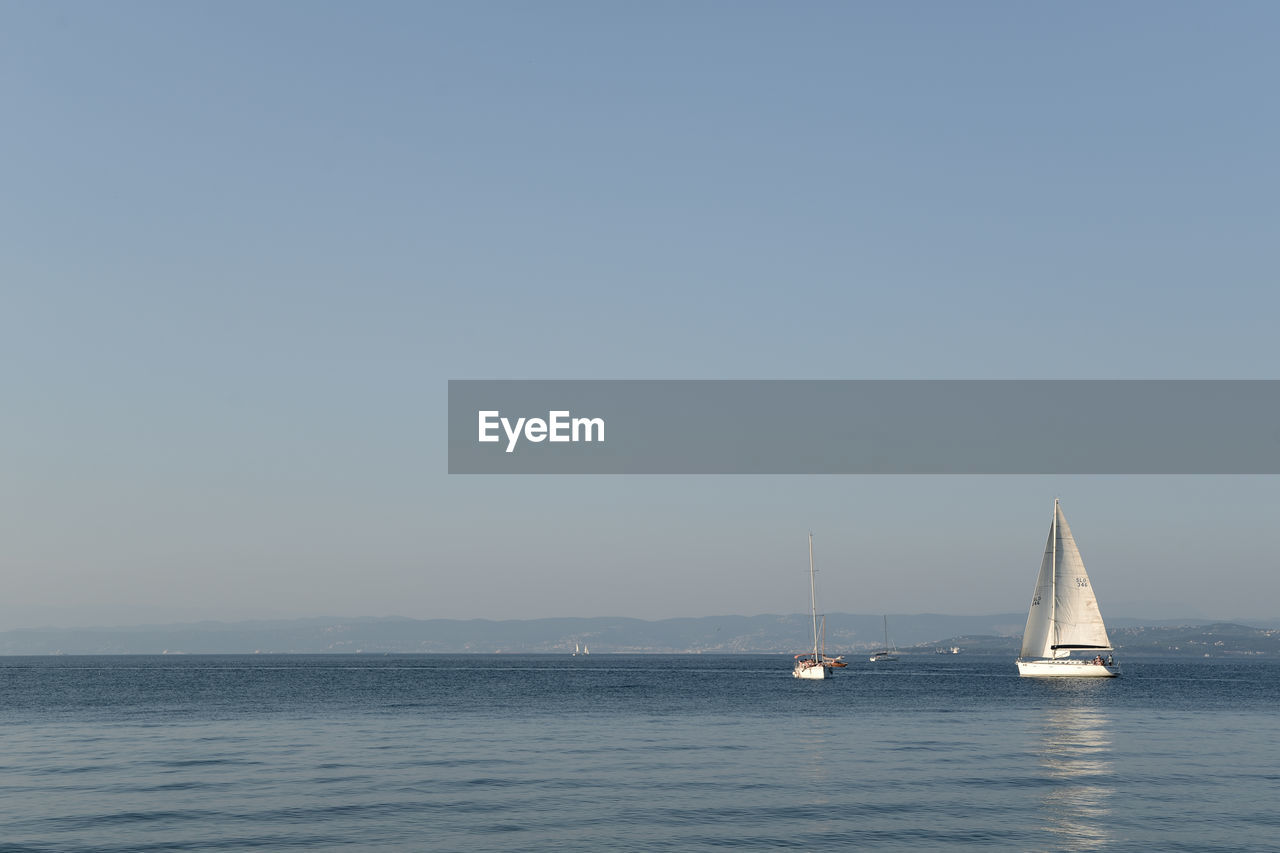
1064 611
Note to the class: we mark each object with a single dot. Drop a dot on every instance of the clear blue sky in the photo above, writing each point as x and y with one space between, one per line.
243 246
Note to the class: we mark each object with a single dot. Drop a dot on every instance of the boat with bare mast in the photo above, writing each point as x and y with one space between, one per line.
888 653
815 665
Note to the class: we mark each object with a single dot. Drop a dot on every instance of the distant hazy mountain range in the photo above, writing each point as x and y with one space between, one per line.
845 633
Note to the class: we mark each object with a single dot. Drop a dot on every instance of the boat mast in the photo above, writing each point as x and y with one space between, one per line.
813 599
1053 585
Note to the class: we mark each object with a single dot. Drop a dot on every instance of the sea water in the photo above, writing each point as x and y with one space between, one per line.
643 752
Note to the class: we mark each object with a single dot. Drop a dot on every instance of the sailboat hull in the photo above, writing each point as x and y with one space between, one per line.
814 673
1066 668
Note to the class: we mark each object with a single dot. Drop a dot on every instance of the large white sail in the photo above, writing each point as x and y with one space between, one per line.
1077 621
1037 637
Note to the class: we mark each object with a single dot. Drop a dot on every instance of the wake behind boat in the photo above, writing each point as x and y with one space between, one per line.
816 666
1064 615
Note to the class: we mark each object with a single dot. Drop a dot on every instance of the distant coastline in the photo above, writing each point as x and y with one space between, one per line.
764 634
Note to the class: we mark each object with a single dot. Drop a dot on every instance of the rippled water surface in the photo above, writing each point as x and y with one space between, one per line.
646 752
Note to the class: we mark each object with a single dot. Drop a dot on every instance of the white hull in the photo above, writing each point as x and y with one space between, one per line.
815 673
1066 668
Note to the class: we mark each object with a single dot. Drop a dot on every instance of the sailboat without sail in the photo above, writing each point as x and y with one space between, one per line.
815 666
888 652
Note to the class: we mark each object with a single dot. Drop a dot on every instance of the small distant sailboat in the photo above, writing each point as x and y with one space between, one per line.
1064 615
577 649
816 666
888 652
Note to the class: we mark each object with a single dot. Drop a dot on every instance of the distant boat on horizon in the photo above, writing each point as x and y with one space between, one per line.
888 653
815 666
1064 615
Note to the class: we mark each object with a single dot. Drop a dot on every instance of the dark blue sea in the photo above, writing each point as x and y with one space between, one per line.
644 752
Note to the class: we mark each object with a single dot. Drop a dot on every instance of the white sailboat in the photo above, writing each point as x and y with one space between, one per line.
1064 615
888 652
815 666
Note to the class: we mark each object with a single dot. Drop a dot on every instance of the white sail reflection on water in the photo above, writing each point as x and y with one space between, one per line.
1075 752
